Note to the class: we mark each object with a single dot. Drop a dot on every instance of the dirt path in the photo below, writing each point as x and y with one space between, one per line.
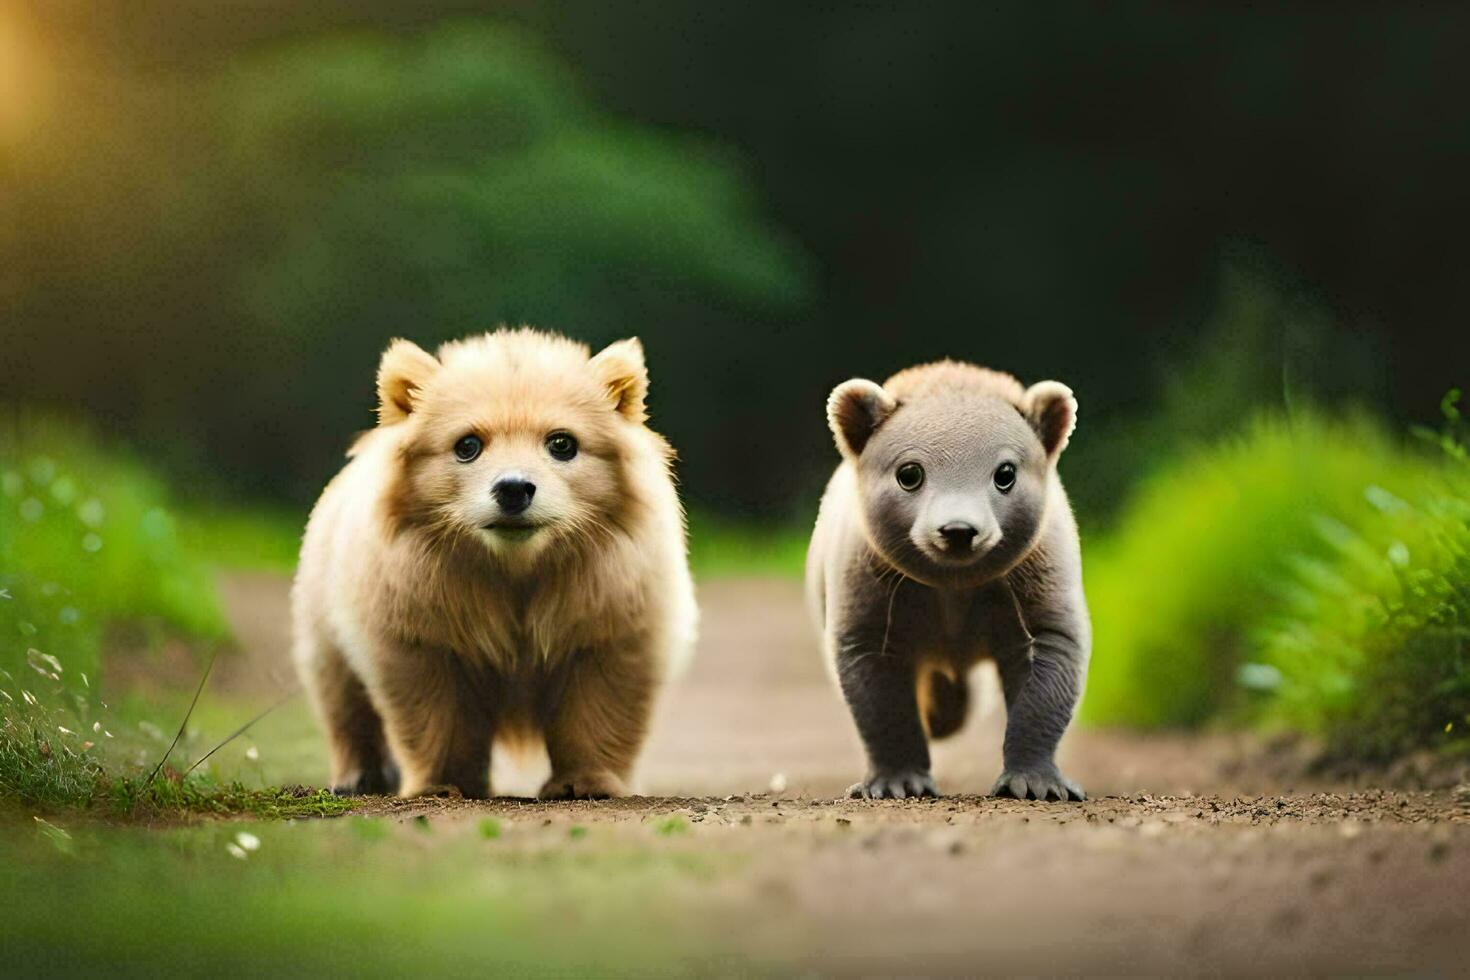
1194 854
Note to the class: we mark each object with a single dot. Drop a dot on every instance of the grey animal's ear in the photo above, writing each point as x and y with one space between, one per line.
1051 409
855 409
405 369
622 372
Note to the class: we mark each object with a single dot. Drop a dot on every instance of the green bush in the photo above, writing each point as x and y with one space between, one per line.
723 548
1372 651
331 190
89 549
89 541
1181 588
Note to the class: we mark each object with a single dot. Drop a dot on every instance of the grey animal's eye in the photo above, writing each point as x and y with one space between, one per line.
467 450
1005 477
561 445
910 476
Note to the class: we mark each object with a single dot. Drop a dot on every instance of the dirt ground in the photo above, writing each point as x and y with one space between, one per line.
1206 854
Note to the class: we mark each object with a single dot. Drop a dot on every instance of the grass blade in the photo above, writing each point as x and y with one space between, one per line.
242 730
183 724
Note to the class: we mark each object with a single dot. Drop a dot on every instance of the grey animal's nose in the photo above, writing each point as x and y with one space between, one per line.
958 536
513 493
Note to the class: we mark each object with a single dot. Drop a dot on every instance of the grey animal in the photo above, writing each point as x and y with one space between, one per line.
944 538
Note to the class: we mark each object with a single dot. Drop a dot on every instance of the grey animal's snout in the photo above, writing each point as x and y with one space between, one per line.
957 536
513 494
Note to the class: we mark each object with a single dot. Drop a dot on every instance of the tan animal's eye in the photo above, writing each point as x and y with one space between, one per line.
561 445
910 476
1005 477
467 450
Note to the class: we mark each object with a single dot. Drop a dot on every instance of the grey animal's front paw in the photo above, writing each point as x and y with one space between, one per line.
896 785
1037 783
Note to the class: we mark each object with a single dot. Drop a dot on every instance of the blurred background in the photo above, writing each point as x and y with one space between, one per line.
1238 235
215 219
1237 231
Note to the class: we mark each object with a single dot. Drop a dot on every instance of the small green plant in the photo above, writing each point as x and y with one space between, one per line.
671 826
58 752
44 761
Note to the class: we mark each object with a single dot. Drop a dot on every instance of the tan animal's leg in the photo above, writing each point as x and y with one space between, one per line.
439 722
359 756
597 725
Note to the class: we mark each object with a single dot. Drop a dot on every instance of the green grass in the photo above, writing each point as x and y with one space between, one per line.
95 557
720 547
62 752
242 537
89 542
361 896
1372 650
1196 564
43 763
171 795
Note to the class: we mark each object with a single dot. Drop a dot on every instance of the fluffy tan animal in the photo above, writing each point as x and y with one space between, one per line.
503 556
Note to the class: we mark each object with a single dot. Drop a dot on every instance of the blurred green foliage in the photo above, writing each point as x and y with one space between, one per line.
223 280
719 546
374 897
1194 565
92 561
1372 647
211 226
89 541
1311 575
238 536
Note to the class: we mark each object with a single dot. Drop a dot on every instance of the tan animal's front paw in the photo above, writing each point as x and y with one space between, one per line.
462 789
367 781
1037 783
594 784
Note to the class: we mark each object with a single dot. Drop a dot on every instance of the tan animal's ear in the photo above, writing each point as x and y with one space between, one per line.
405 368
855 409
621 369
1051 409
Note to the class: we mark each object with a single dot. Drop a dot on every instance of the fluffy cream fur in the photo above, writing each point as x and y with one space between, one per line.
426 628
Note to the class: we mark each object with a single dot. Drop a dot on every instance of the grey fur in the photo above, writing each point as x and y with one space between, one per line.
896 600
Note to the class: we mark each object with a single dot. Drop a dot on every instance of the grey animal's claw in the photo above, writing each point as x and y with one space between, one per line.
1046 783
908 784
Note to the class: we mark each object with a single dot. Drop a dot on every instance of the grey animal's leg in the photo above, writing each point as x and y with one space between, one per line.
881 691
1042 677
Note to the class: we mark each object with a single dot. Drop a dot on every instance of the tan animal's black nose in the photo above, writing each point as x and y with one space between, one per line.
958 536
513 494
